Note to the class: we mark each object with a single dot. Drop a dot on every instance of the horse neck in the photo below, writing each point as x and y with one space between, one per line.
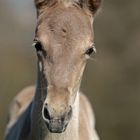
38 126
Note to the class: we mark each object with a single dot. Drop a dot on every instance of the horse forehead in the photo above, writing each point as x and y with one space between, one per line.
65 21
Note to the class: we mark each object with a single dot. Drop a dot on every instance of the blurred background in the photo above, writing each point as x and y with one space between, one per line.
112 83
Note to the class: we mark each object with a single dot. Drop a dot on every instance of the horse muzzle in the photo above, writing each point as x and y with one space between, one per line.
56 123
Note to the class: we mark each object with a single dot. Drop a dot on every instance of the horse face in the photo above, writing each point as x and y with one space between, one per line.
64 40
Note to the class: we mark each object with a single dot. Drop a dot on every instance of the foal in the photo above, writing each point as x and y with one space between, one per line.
55 109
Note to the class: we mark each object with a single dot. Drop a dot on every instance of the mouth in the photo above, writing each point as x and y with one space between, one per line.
56 128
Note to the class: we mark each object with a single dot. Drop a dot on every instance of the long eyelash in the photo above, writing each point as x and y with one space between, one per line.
94 49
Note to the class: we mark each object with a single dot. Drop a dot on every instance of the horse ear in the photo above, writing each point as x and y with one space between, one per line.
92 5
40 4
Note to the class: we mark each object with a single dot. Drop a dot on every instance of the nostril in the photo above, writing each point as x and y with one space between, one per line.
46 114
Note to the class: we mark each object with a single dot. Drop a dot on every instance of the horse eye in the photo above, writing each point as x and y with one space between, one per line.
90 51
38 46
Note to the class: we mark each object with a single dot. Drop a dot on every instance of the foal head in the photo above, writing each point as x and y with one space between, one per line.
64 40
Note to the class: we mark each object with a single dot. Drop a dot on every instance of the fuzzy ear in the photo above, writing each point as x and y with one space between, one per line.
40 4
92 5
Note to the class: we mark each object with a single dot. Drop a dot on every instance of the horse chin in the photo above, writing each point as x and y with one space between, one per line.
59 129
55 128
